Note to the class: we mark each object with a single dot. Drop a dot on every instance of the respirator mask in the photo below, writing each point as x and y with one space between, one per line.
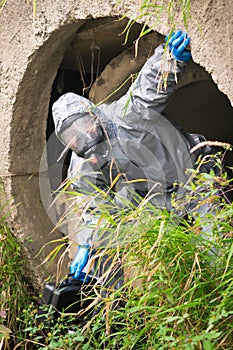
80 133
76 125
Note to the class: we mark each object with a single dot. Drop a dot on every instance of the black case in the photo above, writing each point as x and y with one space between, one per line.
70 296
48 293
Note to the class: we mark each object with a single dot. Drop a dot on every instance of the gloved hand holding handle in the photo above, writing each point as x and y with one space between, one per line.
178 43
79 262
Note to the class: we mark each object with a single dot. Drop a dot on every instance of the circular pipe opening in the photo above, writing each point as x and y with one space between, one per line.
86 57
97 62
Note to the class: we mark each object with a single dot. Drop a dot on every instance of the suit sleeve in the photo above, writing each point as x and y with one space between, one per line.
149 90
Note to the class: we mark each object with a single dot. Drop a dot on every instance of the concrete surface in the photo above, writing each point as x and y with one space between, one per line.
82 38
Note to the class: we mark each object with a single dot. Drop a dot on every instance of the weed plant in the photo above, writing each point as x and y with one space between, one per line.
14 289
179 294
152 12
178 282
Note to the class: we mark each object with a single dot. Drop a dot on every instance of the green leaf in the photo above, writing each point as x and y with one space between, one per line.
170 297
5 331
207 345
78 338
212 173
189 346
212 335
87 347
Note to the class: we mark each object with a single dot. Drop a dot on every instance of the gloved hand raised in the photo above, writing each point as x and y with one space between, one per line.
79 262
178 46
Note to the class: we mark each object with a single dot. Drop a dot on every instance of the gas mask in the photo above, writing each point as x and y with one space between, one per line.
80 133
75 123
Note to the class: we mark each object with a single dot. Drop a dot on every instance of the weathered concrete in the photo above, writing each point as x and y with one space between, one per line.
32 50
210 27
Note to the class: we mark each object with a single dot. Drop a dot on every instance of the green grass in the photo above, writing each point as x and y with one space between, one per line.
152 13
178 287
178 281
180 296
179 292
15 290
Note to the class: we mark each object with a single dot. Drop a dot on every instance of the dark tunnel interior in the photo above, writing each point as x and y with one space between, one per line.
197 107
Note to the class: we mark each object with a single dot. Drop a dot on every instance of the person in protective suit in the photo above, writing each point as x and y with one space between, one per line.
128 139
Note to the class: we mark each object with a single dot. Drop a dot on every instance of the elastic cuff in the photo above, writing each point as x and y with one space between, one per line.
84 246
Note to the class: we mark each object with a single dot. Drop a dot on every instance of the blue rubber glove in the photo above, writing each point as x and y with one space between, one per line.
79 262
177 45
